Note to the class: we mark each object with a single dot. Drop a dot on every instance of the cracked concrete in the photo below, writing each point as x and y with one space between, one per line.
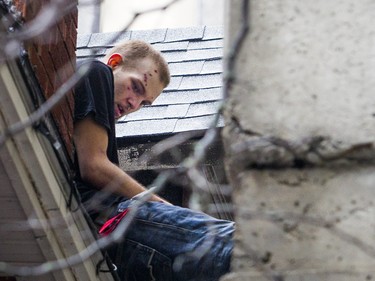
254 150
299 140
324 219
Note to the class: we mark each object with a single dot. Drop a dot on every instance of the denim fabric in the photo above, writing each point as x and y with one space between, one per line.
173 243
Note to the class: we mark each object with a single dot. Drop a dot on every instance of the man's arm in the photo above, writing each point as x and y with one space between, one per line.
91 141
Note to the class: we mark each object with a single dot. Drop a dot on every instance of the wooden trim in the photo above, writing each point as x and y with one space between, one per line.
39 185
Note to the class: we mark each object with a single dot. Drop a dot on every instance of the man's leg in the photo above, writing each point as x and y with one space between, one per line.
166 239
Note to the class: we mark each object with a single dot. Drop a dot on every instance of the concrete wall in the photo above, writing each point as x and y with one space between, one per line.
299 140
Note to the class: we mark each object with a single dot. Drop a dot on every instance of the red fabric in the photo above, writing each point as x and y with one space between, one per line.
111 224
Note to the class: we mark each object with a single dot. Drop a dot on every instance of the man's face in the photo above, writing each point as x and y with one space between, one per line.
136 87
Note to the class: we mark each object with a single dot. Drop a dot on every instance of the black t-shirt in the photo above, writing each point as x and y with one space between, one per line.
94 97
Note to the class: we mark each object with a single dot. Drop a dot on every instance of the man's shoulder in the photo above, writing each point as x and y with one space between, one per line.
94 66
95 76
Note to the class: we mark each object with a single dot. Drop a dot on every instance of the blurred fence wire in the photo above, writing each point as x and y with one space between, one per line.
12 44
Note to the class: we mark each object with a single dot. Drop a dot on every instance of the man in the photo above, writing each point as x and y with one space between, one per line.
165 242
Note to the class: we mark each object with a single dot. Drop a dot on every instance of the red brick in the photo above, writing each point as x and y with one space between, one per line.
53 56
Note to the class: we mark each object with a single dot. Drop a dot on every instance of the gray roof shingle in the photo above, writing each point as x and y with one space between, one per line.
192 99
181 34
200 82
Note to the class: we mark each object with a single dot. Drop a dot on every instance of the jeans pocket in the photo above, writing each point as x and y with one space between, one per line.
137 262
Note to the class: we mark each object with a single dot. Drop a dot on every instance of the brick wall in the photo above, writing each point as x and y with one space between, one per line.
52 53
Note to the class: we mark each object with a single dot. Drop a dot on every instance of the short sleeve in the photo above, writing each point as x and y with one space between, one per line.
94 94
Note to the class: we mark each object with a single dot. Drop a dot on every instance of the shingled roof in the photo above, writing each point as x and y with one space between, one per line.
194 95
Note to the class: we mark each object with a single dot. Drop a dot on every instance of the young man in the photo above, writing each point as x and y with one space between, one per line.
165 242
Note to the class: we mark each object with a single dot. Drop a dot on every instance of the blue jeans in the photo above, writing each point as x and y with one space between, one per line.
173 243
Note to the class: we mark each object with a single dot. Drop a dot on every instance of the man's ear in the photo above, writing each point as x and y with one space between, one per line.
114 60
